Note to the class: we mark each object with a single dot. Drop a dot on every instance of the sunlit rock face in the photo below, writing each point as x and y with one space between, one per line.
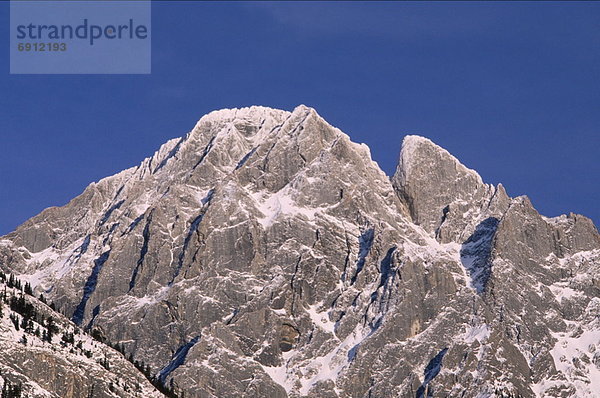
266 255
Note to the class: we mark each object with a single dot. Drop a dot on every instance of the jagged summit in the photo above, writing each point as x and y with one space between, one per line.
433 183
266 254
254 112
417 150
249 120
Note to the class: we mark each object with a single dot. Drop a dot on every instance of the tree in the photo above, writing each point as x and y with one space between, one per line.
91 392
104 362
68 338
17 390
5 388
52 329
14 282
28 289
15 320
97 335
10 390
23 323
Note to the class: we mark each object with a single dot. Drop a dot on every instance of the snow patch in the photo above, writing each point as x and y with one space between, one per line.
279 375
321 319
280 204
573 356
561 291
476 333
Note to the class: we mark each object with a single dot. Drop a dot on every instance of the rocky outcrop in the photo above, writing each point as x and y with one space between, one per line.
444 197
265 254
45 355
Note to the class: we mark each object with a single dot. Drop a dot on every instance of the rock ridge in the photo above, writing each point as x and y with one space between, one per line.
266 254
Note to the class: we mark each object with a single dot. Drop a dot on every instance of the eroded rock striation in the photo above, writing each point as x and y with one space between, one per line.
266 255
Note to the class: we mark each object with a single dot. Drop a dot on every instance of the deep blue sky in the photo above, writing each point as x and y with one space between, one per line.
511 89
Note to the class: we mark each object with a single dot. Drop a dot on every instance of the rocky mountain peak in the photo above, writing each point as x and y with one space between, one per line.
421 153
246 121
251 123
266 254
439 190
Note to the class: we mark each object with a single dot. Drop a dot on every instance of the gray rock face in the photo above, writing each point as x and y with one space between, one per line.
266 255
444 197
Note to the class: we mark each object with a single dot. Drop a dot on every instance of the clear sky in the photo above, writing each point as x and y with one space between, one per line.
512 89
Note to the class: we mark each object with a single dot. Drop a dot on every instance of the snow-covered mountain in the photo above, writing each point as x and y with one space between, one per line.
43 354
266 255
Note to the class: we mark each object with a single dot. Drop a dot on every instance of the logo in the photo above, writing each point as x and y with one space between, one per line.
83 31
80 37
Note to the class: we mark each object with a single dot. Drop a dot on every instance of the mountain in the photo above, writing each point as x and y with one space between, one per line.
264 254
43 354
